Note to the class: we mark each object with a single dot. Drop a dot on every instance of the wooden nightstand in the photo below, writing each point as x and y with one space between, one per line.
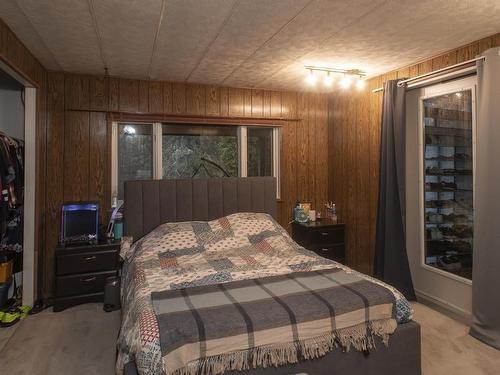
324 237
81 272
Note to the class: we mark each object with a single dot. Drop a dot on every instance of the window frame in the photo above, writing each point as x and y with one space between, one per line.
242 131
435 90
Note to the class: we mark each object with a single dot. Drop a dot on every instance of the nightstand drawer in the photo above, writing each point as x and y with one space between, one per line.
82 283
334 252
326 236
102 260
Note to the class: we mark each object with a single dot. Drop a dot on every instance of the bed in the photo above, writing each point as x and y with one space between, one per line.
212 284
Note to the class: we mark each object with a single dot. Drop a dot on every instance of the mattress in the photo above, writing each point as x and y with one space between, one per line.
176 256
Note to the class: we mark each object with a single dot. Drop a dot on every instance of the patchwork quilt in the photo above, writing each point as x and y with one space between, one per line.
177 262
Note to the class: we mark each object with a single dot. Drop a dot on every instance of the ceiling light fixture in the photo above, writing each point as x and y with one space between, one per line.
311 77
345 82
360 83
329 78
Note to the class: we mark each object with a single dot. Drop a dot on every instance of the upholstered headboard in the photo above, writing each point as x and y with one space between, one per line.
149 203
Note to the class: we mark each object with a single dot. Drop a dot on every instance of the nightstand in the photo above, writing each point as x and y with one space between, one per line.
324 237
81 272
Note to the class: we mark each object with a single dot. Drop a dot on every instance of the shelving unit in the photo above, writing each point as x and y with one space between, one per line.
448 176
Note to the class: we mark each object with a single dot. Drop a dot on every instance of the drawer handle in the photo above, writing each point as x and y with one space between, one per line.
325 233
89 258
325 249
88 279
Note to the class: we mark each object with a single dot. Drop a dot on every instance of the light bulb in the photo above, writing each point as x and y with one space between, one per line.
311 78
360 84
328 80
129 130
345 82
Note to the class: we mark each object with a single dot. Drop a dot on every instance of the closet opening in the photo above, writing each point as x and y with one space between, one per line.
17 188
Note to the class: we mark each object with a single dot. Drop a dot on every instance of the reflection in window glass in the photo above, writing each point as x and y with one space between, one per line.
260 152
199 151
135 153
448 123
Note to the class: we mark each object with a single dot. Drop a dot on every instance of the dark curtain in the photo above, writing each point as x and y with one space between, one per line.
391 260
486 255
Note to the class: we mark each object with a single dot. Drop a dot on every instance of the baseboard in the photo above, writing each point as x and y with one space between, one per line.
444 307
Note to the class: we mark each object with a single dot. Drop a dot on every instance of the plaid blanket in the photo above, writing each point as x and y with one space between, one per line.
271 321
184 256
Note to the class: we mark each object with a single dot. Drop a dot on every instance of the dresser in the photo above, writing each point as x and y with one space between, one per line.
324 237
81 272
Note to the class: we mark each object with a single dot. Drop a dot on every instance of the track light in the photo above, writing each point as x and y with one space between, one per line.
345 82
311 78
360 83
328 80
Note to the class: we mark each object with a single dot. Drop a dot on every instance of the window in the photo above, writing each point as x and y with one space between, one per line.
199 151
145 151
135 147
260 152
448 124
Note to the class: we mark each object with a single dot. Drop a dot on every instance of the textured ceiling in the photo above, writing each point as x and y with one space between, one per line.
246 43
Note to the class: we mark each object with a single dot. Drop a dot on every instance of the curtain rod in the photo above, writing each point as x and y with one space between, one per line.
451 67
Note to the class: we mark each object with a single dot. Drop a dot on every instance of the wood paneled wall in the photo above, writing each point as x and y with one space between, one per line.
352 148
78 136
355 146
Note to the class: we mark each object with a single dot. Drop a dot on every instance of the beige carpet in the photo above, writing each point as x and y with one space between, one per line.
82 341
76 341
447 348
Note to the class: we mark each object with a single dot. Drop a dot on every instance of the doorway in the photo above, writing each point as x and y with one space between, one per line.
17 133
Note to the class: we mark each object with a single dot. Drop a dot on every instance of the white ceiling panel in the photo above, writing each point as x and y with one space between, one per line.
309 29
187 30
353 47
67 30
376 46
128 30
244 43
251 25
14 17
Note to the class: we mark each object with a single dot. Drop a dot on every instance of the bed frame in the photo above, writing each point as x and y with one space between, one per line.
150 203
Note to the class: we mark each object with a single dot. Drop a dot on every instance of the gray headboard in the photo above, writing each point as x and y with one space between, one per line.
149 203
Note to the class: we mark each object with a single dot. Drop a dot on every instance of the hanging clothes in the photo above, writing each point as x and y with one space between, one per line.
12 195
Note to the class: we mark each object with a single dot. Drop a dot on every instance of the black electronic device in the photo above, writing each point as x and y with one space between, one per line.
79 223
